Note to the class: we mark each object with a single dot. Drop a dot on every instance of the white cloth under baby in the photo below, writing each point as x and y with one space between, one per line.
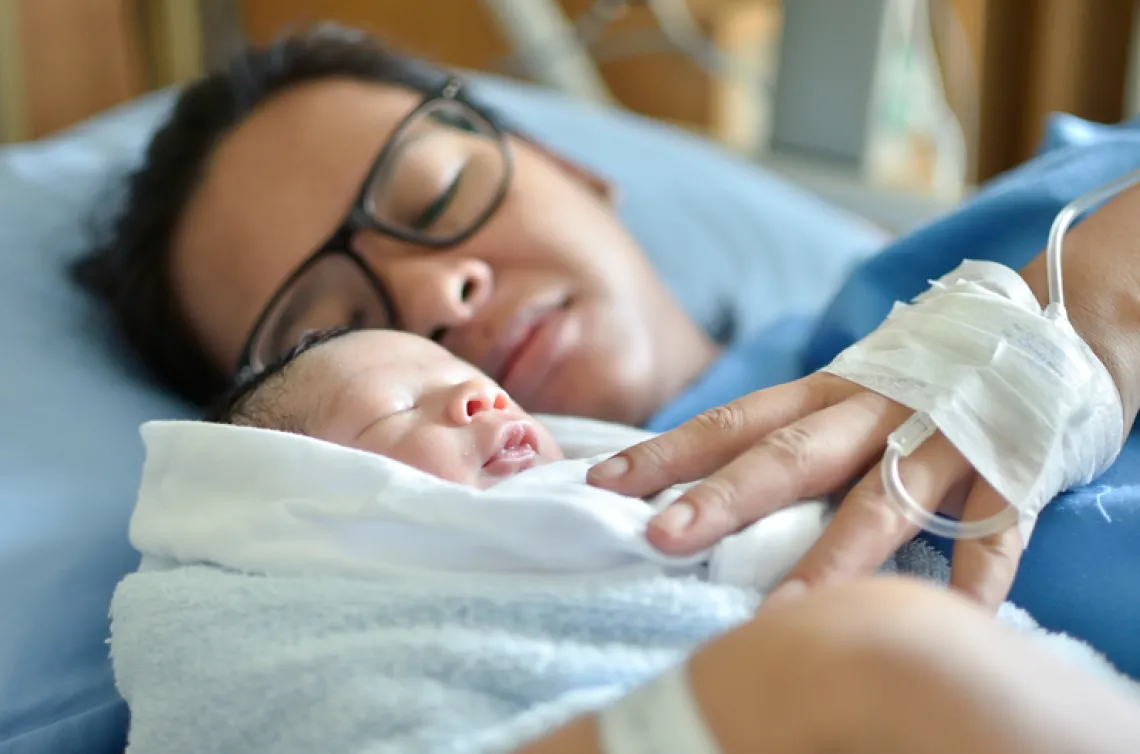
268 502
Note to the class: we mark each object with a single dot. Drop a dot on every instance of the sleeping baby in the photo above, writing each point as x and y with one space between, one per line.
396 395
380 550
387 455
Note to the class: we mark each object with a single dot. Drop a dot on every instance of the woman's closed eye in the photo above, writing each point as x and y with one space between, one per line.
358 320
434 211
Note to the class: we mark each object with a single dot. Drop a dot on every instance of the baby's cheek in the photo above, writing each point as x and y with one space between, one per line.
548 449
543 459
374 442
446 460
406 450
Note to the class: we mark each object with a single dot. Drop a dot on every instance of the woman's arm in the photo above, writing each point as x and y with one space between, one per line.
758 688
818 434
1102 290
889 666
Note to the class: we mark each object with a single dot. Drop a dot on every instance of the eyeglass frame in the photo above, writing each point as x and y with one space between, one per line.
359 218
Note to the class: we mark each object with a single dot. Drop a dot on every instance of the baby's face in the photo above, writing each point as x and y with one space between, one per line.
404 397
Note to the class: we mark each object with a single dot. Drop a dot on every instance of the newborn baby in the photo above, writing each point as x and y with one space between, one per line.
480 485
397 395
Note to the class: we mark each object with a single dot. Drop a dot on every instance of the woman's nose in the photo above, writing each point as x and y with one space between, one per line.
436 292
475 397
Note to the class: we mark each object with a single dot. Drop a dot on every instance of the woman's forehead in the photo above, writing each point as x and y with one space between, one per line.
306 150
276 186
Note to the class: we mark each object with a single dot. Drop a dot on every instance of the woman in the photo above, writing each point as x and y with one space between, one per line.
235 240
237 237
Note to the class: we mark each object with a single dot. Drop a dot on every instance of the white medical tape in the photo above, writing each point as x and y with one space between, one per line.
660 717
1014 388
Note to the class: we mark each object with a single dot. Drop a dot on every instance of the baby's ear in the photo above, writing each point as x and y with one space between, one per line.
604 188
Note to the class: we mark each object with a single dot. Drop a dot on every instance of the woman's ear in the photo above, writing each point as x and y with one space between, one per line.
603 188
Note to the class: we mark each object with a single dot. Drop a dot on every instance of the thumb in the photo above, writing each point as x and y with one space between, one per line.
984 568
706 442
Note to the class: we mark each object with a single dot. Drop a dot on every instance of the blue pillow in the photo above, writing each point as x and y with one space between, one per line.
738 247
68 451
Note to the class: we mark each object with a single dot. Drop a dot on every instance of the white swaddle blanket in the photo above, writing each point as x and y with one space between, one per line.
268 502
297 598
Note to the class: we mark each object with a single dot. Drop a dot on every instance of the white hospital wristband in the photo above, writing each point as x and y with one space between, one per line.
660 717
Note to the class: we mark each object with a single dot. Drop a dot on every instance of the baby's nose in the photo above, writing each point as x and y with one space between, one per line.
484 398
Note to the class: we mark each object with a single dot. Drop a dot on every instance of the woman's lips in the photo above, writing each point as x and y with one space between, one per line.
500 359
520 348
515 449
524 374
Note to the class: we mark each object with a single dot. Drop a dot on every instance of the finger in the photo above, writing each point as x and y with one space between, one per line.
984 568
812 456
866 529
705 443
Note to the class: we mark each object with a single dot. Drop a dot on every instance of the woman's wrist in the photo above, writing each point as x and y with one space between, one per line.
1101 282
772 684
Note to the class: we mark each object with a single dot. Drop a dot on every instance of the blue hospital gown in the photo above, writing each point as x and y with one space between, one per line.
1081 572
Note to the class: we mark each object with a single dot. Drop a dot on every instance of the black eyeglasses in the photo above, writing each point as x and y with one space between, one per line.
438 179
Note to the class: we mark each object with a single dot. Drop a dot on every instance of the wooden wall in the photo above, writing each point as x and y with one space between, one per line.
64 60
1027 58
461 33
1034 57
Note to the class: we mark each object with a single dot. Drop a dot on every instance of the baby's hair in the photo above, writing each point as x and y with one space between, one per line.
256 398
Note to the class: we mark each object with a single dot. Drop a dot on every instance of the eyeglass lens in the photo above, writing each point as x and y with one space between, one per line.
440 175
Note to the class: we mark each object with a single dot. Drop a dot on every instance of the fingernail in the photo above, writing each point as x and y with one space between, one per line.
610 469
787 592
675 519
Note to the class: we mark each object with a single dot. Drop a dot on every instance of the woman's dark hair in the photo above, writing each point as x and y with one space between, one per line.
129 268
256 398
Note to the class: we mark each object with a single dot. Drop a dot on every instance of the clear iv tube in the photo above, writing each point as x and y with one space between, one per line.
1061 224
920 427
938 525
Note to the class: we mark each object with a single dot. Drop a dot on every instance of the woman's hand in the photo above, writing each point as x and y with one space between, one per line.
804 439
817 434
814 436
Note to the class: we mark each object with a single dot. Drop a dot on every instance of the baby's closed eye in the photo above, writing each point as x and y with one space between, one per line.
384 413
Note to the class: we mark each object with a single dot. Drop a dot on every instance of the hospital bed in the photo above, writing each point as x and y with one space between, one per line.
739 246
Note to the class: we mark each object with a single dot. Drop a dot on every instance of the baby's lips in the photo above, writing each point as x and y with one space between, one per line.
515 449
511 461
507 436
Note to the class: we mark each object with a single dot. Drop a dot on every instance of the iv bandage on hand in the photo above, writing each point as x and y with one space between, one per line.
1013 388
